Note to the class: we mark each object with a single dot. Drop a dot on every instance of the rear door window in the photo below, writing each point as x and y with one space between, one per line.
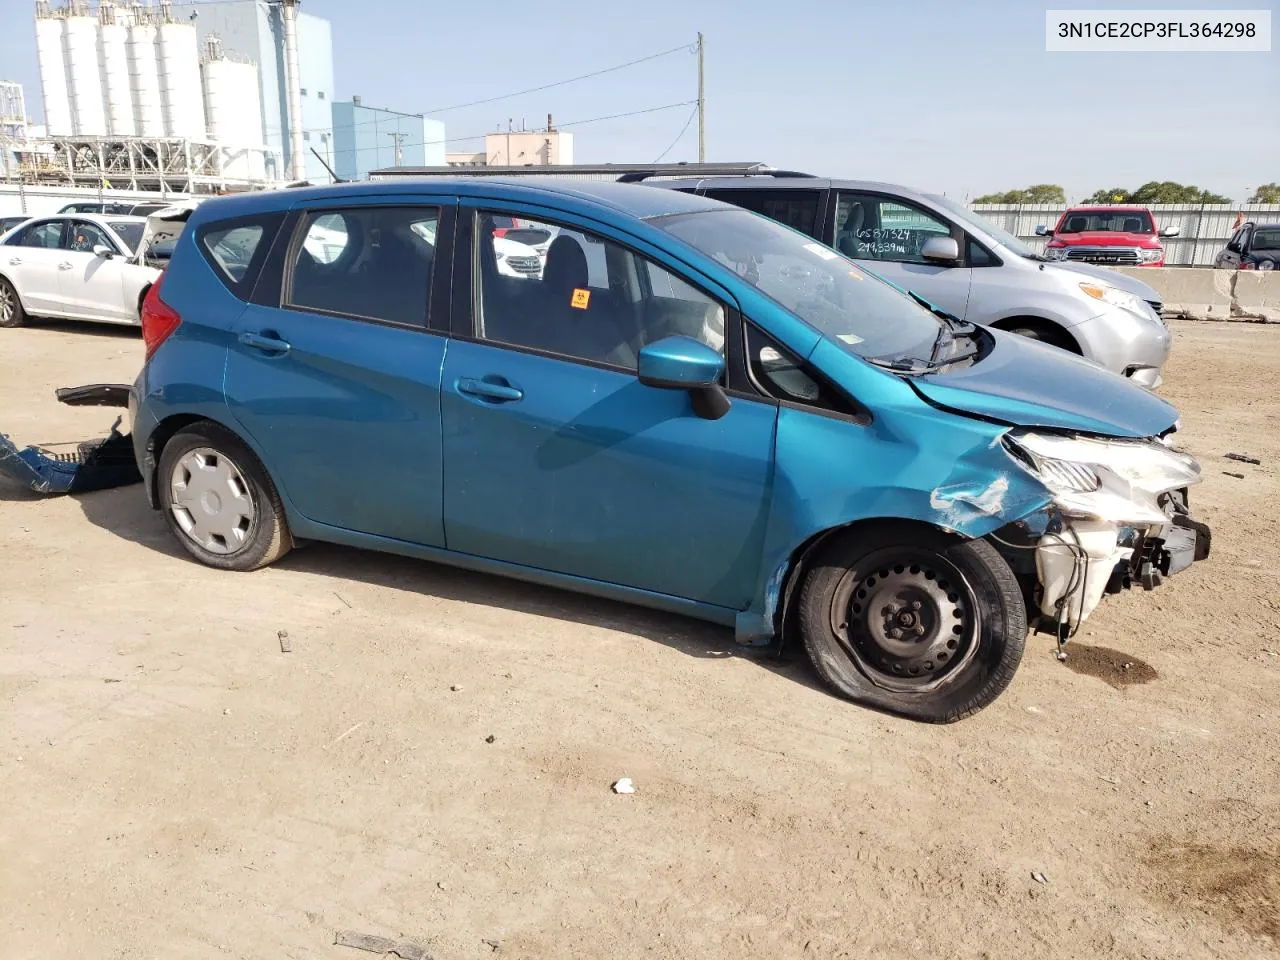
373 263
47 234
797 209
236 249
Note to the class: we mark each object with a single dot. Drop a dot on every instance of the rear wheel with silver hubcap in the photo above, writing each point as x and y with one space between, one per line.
914 621
219 501
11 312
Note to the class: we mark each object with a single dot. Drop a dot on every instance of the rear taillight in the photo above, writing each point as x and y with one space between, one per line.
159 320
1245 265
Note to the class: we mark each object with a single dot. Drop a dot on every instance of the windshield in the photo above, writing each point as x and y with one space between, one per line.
130 233
999 234
814 282
1268 239
1114 221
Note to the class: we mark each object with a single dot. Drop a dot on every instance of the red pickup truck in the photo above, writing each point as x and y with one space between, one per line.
1111 235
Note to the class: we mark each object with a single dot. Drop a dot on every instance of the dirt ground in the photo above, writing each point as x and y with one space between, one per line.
173 785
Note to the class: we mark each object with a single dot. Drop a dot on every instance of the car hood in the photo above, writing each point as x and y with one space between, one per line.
1125 282
1029 384
1107 238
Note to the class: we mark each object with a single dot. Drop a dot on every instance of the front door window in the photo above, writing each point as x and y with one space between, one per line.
871 227
588 299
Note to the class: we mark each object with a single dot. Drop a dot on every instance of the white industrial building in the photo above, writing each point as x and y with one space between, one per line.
188 97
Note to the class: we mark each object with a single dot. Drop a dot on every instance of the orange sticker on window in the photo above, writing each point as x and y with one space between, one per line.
581 299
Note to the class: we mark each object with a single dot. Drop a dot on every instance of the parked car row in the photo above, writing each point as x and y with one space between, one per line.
689 406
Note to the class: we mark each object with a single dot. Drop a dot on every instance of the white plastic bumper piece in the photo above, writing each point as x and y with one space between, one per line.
1074 567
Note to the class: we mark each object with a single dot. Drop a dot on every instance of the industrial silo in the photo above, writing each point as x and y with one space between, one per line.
113 47
53 72
180 81
84 72
233 108
144 75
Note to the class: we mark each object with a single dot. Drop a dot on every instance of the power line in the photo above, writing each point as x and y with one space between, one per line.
571 123
560 83
692 113
691 48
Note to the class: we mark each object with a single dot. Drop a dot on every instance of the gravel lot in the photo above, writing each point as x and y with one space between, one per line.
174 785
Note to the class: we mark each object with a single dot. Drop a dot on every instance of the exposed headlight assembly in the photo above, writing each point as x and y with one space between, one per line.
1118 481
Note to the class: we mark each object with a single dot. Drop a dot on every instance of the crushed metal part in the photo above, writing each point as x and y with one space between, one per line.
76 467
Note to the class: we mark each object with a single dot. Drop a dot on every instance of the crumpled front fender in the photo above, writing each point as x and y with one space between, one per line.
912 463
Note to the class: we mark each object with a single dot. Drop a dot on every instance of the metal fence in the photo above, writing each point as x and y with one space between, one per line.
1204 228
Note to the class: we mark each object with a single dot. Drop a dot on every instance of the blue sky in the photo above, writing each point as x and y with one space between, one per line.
958 97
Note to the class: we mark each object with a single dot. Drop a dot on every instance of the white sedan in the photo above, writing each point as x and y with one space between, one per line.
77 266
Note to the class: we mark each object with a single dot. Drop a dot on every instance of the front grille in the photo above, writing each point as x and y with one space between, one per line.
1120 255
525 264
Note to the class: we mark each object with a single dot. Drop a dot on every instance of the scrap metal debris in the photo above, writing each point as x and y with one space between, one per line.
1228 473
1039 877
286 645
76 467
404 949
1243 458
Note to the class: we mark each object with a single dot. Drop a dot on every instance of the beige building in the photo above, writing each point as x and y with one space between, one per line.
519 148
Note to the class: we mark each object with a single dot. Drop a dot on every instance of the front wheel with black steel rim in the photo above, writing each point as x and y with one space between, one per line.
219 501
913 621
11 312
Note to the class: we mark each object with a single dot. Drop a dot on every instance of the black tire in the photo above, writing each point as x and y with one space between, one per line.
11 312
955 603
1044 333
259 537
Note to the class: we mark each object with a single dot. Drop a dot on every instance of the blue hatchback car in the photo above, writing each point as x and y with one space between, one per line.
680 403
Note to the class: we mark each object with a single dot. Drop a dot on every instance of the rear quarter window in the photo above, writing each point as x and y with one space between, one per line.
236 249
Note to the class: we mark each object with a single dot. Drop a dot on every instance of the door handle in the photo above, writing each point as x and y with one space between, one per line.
15 262
265 342
499 392
64 265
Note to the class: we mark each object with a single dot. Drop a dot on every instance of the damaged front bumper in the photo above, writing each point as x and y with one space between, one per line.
1119 517
1068 564
76 467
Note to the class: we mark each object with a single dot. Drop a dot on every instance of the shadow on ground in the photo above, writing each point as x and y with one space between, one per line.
109 331
126 513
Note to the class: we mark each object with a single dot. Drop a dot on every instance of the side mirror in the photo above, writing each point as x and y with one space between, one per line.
1170 232
103 251
941 249
683 363
1043 231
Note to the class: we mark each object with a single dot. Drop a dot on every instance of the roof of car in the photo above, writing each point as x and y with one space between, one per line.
1134 207
630 199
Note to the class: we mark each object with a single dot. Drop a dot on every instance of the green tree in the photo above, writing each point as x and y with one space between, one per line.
1267 193
1167 191
1112 195
1037 193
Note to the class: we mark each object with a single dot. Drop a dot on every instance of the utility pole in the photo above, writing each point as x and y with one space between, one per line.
399 139
702 104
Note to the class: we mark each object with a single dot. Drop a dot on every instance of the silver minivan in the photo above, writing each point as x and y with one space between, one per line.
963 264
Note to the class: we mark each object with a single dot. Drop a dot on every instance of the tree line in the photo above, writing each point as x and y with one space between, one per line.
1155 191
